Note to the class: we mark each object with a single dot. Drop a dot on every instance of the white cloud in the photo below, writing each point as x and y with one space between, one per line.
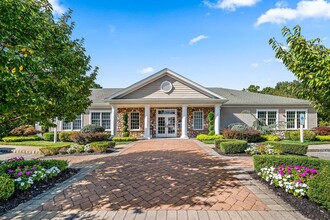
282 4
254 65
146 70
57 8
305 9
112 28
268 60
196 39
230 5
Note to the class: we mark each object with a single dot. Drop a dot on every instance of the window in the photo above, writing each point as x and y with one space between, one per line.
135 120
74 125
198 120
293 119
268 117
102 119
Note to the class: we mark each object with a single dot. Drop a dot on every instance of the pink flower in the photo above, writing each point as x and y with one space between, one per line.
28 173
299 181
10 171
19 174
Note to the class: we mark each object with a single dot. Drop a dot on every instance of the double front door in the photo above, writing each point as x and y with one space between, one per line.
166 123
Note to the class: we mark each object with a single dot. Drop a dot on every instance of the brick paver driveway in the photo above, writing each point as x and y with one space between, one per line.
159 174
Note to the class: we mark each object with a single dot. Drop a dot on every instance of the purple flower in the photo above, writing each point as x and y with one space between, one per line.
10 171
313 171
299 181
33 168
28 173
40 163
281 172
19 174
26 169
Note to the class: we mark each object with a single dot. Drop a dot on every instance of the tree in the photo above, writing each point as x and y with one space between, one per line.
252 88
44 73
96 86
309 61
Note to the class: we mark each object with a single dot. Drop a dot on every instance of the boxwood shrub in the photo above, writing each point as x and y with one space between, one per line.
295 135
319 188
102 146
233 147
92 129
290 148
277 160
52 150
205 137
269 137
247 135
218 141
21 138
124 139
323 137
7 187
49 136
85 138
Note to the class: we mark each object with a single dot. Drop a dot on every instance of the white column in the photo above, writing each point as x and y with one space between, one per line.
113 120
147 122
184 122
217 109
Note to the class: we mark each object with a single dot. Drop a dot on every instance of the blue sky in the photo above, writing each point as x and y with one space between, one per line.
215 43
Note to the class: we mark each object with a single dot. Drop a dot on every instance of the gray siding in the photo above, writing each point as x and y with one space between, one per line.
152 90
231 115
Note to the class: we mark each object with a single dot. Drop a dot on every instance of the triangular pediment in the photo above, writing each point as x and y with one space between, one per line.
151 88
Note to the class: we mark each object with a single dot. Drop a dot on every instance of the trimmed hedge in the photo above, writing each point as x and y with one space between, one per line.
123 139
269 137
323 138
85 138
261 161
205 137
49 136
7 187
247 135
21 138
52 150
295 135
65 136
290 148
218 141
233 147
102 146
319 188
92 129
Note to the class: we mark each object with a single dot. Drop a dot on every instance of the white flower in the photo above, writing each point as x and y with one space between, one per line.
18 179
22 183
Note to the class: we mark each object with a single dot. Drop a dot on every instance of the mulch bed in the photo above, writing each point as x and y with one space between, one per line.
82 154
305 206
21 196
231 155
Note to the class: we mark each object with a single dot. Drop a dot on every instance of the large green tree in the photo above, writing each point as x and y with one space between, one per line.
309 61
44 73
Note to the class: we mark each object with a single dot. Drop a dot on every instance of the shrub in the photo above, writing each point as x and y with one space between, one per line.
254 149
295 135
101 147
125 123
323 138
205 137
49 136
7 187
287 135
65 136
247 135
277 160
269 137
218 141
233 147
290 148
319 188
323 130
124 139
53 150
92 129
84 138
210 116
24 130
21 138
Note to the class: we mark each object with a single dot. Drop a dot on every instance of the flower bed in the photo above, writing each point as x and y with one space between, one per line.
22 179
256 149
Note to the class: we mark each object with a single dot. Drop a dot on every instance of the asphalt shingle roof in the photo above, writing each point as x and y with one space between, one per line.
235 97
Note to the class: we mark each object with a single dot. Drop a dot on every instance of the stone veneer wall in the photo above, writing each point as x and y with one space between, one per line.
120 123
190 128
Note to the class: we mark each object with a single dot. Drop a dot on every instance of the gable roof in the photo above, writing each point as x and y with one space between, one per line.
165 72
98 95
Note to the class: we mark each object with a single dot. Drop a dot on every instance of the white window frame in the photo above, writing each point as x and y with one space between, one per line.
71 123
130 121
296 118
268 110
100 111
198 129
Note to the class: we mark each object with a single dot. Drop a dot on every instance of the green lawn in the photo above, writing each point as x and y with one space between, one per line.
208 141
123 142
37 143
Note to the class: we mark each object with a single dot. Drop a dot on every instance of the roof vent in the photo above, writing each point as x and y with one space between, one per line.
166 86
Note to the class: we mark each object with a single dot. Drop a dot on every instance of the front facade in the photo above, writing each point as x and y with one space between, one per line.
167 104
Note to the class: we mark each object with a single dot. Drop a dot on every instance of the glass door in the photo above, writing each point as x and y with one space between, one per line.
166 123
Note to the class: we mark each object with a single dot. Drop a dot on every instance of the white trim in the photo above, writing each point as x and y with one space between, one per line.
202 121
158 75
162 84
268 110
71 122
166 117
130 122
100 111
296 118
